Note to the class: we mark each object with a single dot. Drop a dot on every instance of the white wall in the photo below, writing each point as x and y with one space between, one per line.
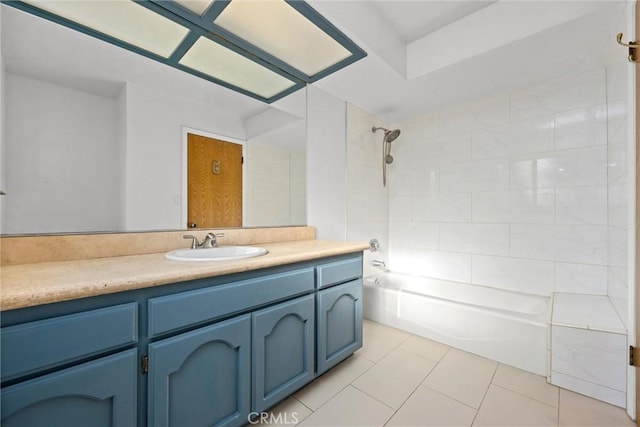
367 198
275 167
154 152
298 186
509 191
50 190
268 182
326 165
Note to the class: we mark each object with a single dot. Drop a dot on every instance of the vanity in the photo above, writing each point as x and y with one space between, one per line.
215 346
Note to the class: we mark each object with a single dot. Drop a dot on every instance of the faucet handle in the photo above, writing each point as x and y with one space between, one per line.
194 240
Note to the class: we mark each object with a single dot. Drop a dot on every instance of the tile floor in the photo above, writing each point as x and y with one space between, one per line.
399 379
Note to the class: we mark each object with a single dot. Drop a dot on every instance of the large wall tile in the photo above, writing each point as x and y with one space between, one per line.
581 205
570 243
566 168
400 208
565 94
617 163
489 111
581 278
528 136
513 274
596 357
436 264
367 208
488 239
583 127
617 129
442 149
442 207
618 204
513 207
483 175
425 179
618 246
418 235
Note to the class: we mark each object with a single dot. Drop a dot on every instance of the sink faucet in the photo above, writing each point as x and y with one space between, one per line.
210 240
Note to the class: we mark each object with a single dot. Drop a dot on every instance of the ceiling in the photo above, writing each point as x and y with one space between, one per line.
412 20
422 55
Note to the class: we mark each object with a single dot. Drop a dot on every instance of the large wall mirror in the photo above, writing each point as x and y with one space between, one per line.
95 137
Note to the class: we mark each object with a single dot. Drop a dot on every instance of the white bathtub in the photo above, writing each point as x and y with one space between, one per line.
509 327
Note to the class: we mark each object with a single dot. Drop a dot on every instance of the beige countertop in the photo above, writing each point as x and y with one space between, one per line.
27 285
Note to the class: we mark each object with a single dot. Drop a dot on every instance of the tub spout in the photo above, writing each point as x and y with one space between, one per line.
378 263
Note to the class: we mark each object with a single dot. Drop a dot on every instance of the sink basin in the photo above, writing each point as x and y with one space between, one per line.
223 253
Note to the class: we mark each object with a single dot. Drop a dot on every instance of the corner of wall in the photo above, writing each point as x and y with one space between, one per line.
326 164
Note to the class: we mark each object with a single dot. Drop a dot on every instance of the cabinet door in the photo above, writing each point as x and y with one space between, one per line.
202 377
339 323
283 350
98 393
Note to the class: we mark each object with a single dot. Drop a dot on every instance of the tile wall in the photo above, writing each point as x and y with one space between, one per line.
367 204
617 186
509 191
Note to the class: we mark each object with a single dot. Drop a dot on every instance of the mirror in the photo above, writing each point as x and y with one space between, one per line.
94 137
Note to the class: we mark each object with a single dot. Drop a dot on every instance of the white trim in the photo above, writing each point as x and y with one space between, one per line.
631 215
187 130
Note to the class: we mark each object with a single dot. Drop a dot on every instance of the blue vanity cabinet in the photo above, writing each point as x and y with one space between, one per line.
283 347
204 352
202 377
100 389
339 311
100 393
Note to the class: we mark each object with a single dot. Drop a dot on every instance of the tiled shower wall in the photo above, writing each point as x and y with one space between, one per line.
509 191
617 186
367 204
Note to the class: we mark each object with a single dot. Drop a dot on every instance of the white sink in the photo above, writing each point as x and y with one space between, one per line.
222 253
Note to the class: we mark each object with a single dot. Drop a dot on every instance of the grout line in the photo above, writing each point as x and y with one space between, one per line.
524 395
485 392
375 398
449 397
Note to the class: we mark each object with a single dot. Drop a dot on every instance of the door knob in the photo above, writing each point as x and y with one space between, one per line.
192 225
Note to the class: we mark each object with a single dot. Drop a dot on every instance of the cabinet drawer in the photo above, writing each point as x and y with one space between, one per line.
339 271
173 312
44 344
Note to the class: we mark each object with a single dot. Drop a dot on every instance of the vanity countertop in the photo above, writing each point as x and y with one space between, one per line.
27 285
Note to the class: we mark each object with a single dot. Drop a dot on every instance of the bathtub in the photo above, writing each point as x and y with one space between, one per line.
506 326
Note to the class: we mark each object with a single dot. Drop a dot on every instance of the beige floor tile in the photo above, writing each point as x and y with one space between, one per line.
379 340
579 410
462 376
427 407
394 378
330 383
287 413
425 347
503 407
350 407
527 384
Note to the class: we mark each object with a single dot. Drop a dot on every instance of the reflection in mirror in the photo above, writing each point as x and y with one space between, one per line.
93 137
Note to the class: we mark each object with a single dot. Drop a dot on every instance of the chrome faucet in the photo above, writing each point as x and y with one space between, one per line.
210 240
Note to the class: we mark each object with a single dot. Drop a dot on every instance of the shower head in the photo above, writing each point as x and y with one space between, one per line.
389 135
387 158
